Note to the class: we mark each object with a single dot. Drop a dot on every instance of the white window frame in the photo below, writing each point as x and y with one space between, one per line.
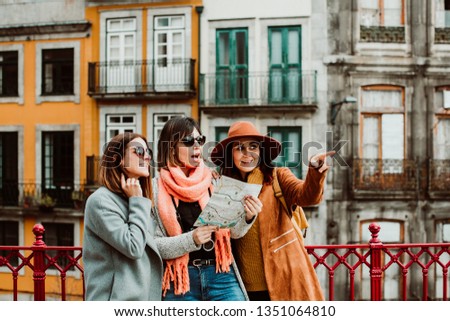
122 127
158 126
20 72
105 110
75 45
186 12
169 31
106 15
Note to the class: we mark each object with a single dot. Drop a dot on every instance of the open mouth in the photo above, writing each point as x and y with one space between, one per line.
247 162
196 157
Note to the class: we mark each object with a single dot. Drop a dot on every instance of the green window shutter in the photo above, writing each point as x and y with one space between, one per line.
291 142
232 66
285 72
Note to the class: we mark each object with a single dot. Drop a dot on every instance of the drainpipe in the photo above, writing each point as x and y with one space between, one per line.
199 10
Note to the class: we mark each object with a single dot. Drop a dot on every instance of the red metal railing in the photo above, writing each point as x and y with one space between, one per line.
40 261
359 271
411 264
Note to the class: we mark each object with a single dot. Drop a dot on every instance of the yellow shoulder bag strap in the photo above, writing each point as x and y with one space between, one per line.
298 217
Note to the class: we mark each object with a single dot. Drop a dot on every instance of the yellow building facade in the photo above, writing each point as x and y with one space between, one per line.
71 79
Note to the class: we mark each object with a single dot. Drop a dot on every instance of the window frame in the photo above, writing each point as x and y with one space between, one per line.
121 127
19 99
236 73
59 67
5 82
75 96
378 113
381 9
285 131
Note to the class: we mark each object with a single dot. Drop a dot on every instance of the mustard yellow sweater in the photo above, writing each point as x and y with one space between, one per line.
249 259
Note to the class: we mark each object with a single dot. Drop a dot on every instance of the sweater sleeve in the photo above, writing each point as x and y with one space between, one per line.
302 192
126 232
171 247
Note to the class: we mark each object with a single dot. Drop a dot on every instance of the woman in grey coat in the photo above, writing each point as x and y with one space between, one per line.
121 260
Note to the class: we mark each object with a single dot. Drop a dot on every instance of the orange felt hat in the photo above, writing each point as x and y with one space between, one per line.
245 129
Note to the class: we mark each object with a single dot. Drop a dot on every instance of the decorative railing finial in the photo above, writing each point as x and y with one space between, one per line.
374 229
38 231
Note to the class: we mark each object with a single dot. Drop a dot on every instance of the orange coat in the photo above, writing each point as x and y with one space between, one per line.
287 267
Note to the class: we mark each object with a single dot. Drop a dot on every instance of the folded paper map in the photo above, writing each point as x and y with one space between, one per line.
226 205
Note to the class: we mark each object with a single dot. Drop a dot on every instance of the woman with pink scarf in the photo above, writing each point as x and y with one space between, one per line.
198 262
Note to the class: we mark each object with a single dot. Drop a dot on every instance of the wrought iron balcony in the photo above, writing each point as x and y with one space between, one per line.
256 89
442 35
439 175
45 197
382 34
142 79
388 175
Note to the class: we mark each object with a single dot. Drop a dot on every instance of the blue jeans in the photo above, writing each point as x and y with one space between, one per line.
207 285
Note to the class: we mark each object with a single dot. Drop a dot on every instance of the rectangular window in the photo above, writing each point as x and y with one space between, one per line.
58 71
9 171
9 72
171 70
388 13
9 235
122 73
291 143
221 133
169 39
158 123
442 8
58 166
447 12
118 123
382 123
59 234
232 66
442 141
285 82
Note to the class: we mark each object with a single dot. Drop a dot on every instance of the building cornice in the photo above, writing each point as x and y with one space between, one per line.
44 28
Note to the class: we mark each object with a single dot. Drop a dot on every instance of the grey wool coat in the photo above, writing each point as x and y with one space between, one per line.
120 257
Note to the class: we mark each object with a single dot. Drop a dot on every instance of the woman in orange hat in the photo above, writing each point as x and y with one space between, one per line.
271 257
198 262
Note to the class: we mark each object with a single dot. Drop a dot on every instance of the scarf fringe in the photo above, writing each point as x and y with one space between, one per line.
224 257
176 271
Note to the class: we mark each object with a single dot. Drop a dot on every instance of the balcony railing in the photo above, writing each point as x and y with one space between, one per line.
439 175
385 175
28 195
137 79
382 34
256 89
360 271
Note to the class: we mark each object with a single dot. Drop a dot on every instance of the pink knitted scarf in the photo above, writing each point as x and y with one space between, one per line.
192 188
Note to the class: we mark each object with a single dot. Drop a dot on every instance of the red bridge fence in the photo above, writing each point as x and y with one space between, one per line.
373 271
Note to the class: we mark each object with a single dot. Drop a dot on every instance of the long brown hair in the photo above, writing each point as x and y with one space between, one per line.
174 130
111 168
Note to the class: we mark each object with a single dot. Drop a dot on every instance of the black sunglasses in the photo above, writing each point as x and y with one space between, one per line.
140 151
189 141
